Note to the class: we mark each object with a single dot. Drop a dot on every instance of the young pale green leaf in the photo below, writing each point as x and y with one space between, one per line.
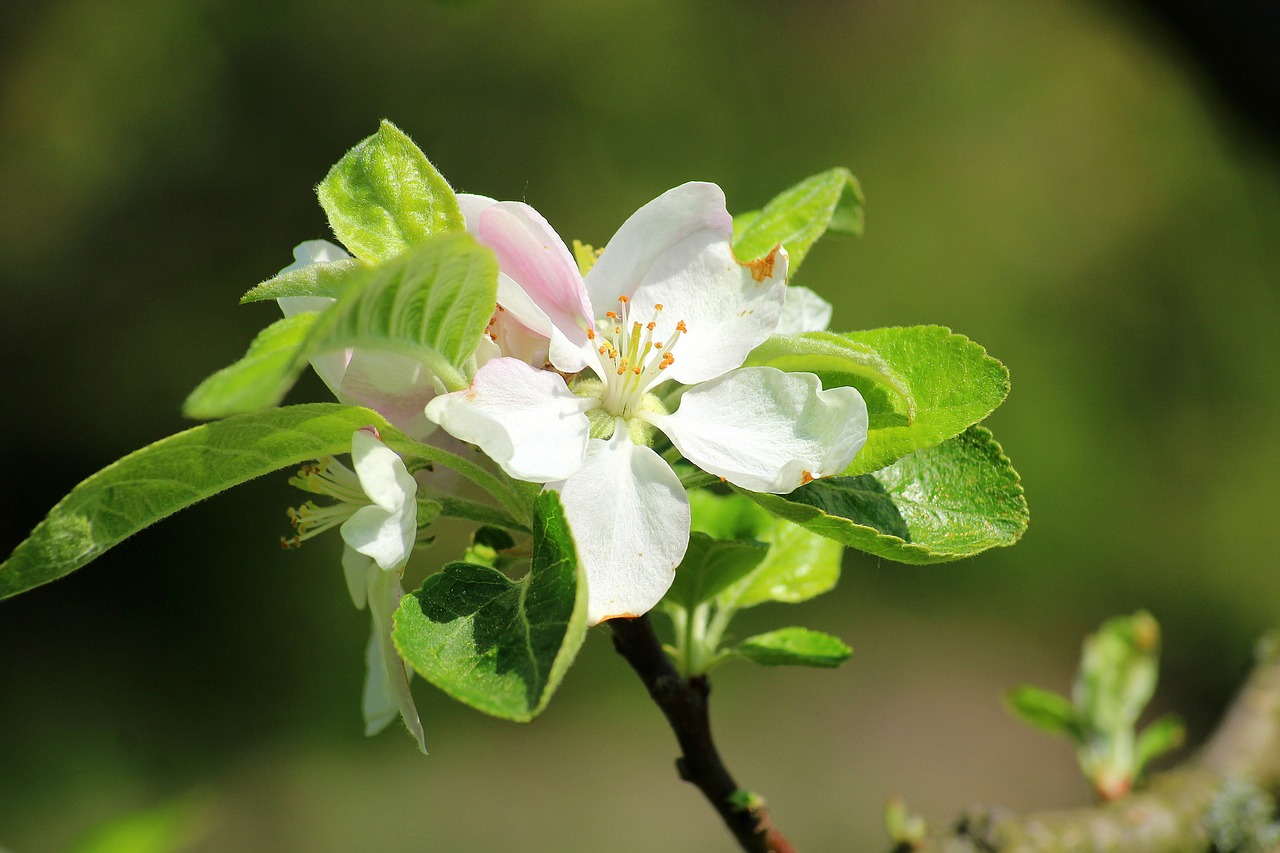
329 279
172 474
498 645
796 218
431 303
794 647
1045 710
710 565
798 565
937 504
261 378
1164 734
384 196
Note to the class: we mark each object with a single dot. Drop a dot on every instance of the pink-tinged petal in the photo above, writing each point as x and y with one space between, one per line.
804 311
629 517
766 430
387 674
650 233
471 205
535 257
728 308
393 385
526 420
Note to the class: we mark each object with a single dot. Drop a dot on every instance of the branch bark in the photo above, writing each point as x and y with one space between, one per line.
1168 816
684 703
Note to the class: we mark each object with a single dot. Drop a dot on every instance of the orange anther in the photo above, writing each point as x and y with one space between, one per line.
591 334
658 305
650 325
624 300
612 315
681 326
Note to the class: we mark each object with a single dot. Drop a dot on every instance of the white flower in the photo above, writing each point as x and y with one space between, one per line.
804 311
666 300
377 509
395 386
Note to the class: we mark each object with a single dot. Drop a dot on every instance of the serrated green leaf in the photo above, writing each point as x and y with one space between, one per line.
431 303
794 647
937 504
384 196
798 566
951 380
797 217
176 472
328 279
258 380
1045 710
498 645
710 565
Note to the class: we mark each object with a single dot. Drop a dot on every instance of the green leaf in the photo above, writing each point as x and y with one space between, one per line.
938 504
794 647
384 196
261 378
1045 710
798 566
922 384
1163 735
175 473
710 565
498 645
431 304
797 217
168 828
329 279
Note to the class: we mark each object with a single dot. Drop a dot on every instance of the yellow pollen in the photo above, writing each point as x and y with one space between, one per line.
612 315
636 371
591 334
624 300
680 326
657 344
650 325
658 305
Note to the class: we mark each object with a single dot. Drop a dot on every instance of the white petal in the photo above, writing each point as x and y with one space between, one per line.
331 366
395 386
766 430
382 474
379 534
630 521
728 308
355 569
526 420
378 702
391 677
471 205
649 233
804 311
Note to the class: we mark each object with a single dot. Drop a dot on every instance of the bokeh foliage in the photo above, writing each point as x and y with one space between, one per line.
1048 179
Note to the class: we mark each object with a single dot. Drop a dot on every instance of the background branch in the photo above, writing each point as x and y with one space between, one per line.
684 703
1168 815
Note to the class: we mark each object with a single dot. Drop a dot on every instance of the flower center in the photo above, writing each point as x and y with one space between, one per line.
330 478
631 359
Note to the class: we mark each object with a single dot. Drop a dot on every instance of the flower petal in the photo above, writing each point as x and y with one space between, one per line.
330 366
393 385
526 420
766 430
387 673
382 474
649 233
630 521
471 205
728 308
355 569
532 255
804 311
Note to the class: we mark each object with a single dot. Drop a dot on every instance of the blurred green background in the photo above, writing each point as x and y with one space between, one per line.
1050 178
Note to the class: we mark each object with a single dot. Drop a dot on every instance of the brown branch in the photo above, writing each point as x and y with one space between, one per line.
1165 817
684 703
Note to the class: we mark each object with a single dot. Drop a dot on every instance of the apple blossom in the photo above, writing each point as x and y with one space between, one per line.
666 300
377 510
